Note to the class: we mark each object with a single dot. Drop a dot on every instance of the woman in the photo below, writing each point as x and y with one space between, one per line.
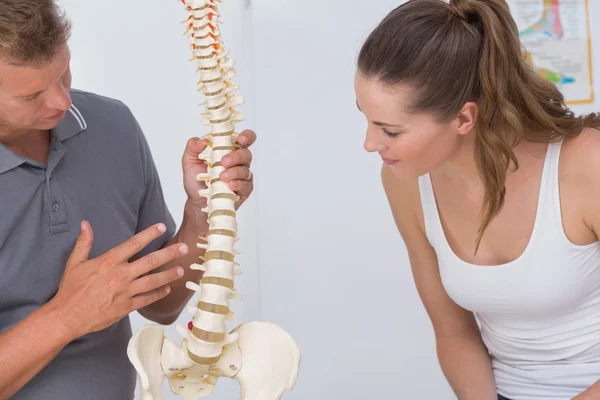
502 237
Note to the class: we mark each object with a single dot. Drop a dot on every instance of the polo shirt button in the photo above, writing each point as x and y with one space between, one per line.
55 207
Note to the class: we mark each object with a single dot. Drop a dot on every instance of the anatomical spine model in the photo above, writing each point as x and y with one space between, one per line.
261 356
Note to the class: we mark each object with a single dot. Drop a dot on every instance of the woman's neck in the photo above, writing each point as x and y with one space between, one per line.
462 164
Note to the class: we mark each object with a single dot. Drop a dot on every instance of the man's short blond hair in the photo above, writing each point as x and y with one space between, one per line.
31 31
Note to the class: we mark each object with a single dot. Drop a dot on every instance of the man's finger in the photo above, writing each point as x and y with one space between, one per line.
246 138
83 246
143 300
242 188
132 246
154 281
241 157
194 147
236 174
154 260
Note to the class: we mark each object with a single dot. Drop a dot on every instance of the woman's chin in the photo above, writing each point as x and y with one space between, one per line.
403 170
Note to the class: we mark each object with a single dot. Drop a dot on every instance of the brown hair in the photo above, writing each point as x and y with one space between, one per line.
469 50
31 31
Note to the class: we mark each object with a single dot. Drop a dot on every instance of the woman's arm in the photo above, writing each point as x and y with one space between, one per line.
580 191
463 357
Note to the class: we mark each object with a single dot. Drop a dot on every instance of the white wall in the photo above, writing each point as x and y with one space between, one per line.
344 292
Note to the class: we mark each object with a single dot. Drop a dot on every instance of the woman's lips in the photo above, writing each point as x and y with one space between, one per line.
389 161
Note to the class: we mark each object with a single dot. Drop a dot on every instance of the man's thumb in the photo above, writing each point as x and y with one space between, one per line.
83 245
194 147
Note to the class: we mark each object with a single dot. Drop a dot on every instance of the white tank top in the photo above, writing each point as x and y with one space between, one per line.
539 314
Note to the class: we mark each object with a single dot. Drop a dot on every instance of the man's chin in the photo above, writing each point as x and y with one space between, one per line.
49 123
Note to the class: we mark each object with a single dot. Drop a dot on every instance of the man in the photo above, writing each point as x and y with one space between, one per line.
85 235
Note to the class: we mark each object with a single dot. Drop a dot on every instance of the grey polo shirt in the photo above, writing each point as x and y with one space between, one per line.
99 169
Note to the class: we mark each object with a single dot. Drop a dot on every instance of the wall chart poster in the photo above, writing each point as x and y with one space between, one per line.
556 37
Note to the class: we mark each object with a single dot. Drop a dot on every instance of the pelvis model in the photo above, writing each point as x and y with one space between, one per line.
261 356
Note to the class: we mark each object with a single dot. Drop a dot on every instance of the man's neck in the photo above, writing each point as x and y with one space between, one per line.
33 144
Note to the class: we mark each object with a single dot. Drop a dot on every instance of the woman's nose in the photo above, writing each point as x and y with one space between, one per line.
372 145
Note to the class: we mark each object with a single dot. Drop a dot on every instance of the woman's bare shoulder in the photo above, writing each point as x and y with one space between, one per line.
579 176
581 154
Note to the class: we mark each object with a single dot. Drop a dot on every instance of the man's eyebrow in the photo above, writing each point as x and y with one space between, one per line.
378 122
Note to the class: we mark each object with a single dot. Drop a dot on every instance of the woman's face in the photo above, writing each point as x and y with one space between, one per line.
411 144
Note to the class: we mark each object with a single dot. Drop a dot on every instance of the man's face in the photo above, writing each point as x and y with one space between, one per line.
34 97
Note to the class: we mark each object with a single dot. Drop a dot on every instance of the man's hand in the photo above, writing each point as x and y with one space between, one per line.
94 294
237 173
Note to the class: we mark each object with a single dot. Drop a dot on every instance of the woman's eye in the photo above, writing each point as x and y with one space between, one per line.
388 133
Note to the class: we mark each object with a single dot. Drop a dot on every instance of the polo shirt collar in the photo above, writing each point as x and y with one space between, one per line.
72 124
9 160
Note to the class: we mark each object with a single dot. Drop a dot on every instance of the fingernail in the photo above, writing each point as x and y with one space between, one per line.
183 249
162 227
168 289
225 161
226 175
180 271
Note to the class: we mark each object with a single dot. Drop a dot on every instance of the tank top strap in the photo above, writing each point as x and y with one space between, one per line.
550 191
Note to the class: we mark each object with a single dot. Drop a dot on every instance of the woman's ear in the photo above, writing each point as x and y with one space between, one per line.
467 117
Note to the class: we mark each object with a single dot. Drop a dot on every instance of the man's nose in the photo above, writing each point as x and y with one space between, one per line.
60 98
